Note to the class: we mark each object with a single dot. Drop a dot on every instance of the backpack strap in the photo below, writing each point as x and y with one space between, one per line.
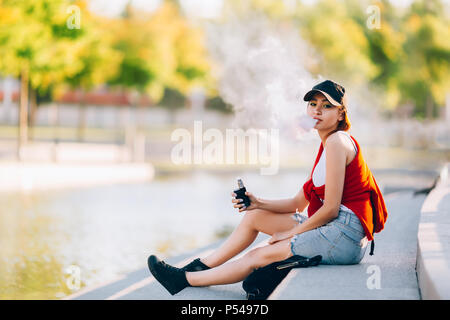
297 261
372 247
374 221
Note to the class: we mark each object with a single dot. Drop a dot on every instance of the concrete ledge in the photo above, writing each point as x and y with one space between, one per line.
388 274
433 246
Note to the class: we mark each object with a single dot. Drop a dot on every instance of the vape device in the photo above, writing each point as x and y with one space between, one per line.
240 193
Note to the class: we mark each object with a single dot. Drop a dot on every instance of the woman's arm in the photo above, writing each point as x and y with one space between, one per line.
334 186
285 205
278 206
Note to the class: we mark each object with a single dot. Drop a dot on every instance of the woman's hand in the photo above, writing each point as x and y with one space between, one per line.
278 236
254 202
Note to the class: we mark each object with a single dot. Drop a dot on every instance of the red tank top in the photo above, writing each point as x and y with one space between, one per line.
361 194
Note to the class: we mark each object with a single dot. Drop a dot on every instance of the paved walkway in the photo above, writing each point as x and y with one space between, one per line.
391 270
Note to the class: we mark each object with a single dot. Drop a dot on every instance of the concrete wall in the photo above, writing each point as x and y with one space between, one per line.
433 252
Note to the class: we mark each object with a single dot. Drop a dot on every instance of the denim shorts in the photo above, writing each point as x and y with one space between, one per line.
340 241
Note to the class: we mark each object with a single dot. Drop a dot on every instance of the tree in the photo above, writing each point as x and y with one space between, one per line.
37 46
164 55
425 72
407 58
96 58
132 40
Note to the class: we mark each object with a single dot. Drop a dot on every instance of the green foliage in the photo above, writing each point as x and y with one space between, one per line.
217 104
161 51
173 99
339 40
34 35
407 58
132 74
425 73
190 73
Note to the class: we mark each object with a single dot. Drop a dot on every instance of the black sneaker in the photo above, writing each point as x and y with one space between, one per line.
173 279
195 265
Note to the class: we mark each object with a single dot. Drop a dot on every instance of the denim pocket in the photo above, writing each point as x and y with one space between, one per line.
356 225
352 238
352 225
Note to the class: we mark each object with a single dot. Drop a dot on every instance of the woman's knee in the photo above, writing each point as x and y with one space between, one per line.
250 218
255 257
268 222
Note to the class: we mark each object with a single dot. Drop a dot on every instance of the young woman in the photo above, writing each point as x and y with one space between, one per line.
345 208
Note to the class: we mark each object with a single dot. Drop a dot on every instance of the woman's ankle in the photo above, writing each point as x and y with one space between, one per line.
192 278
211 262
186 273
206 263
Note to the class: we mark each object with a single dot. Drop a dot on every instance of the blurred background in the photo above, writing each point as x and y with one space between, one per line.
91 92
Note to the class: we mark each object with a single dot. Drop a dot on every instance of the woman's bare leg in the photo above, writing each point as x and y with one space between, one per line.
252 223
238 270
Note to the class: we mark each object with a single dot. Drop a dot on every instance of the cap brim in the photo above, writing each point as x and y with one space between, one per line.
308 96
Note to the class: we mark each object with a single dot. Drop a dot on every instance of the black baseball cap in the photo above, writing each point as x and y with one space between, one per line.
331 90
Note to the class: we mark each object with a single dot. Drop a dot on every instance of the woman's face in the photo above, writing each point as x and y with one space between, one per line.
327 114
